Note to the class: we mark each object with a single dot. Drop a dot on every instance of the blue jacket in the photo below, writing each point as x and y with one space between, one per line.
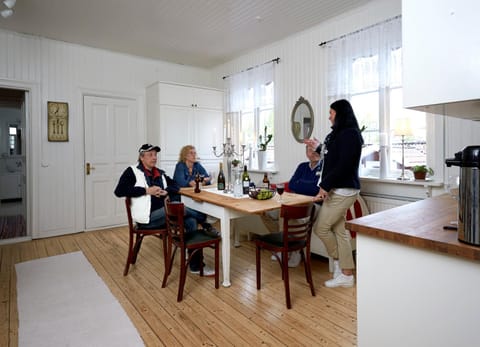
183 177
304 180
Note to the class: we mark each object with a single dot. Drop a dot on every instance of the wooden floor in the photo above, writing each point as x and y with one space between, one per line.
237 316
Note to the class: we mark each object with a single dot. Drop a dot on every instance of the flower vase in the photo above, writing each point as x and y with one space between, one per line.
262 160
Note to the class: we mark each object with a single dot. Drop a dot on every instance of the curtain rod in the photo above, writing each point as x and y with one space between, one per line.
276 60
359 30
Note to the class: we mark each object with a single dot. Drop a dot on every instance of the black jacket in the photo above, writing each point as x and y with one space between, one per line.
342 154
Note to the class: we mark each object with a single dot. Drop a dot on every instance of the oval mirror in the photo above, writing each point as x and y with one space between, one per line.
302 120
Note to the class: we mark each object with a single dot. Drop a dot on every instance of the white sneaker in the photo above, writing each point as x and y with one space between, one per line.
207 271
294 259
274 258
211 220
341 281
336 269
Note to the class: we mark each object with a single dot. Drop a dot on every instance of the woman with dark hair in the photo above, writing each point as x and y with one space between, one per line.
339 187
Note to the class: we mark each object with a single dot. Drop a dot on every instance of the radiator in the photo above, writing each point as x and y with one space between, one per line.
380 202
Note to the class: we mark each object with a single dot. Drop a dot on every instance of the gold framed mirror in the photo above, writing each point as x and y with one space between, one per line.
302 120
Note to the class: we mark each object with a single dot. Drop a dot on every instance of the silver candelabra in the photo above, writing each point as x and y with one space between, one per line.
228 153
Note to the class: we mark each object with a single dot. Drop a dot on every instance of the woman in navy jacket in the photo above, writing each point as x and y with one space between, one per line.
339 188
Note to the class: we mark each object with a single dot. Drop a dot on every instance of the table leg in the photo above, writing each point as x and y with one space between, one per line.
225 230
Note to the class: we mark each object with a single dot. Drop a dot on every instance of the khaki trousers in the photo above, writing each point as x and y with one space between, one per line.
330 228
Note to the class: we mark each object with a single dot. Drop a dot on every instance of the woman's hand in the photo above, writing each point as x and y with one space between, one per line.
312 143
321 196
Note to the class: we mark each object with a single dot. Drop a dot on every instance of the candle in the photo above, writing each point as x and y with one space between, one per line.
229 129
214 142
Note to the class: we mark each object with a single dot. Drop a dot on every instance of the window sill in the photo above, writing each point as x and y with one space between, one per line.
393 180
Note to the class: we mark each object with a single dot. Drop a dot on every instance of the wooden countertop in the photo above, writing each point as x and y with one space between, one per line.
419 225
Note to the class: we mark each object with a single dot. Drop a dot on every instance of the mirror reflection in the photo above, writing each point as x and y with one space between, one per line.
302 120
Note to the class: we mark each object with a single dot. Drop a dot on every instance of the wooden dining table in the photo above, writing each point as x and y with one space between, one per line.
226 207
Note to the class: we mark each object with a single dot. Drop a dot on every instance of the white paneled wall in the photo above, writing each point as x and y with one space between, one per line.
58 71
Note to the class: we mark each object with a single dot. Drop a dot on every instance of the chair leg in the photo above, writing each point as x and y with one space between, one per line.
136 249
286 280
183 275
129 256
308 271
168 266
258 265
217 267
165 253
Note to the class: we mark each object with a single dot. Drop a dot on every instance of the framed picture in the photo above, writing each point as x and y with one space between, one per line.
57 121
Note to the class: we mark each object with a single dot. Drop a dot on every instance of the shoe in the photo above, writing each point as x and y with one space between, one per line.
294 259
341 281
209 230
211 220
207 271
274 258
336 269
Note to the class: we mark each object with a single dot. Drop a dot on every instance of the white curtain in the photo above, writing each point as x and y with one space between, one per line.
346 78
245 90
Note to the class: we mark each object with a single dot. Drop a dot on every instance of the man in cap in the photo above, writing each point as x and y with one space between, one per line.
148 186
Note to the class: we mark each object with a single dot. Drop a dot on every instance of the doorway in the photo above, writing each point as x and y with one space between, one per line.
13 159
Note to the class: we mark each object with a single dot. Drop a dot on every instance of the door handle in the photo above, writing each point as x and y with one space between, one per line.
89 167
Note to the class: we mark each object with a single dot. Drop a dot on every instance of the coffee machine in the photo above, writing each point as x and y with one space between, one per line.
469 194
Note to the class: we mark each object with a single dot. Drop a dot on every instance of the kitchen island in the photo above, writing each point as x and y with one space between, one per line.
417 285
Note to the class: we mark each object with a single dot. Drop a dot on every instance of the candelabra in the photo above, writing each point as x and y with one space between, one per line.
228 153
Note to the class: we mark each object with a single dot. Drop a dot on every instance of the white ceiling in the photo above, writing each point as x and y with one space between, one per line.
202 33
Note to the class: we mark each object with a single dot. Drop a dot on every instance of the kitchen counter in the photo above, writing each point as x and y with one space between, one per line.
419 225
417 285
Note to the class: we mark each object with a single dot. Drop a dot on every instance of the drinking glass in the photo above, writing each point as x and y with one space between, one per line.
280 190
452 187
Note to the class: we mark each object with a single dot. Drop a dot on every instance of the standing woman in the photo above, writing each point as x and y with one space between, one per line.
339 187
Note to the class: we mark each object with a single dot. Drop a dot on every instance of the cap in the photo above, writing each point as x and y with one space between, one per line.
148 147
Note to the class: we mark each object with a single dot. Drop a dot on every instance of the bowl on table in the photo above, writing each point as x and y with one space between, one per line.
261 193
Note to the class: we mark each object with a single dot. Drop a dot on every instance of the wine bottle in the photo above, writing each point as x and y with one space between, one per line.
197 183
266 181
221 178
245 180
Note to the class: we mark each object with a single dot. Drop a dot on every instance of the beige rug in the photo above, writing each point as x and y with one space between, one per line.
63 302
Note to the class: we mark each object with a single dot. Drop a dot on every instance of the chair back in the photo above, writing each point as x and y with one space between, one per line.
297 222
174 214
128 202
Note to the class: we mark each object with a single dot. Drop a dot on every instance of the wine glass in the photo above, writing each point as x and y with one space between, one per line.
280 190
452 187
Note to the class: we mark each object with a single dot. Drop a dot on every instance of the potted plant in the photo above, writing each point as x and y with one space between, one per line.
421 171
263 141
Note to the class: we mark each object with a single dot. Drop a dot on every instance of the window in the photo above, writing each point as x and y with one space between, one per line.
366 68
251 107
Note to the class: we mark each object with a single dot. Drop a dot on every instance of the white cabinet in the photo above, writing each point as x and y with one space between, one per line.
441 56
179 115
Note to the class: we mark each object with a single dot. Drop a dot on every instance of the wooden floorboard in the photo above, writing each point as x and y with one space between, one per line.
236 316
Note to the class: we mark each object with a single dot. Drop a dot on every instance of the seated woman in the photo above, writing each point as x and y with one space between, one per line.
185 171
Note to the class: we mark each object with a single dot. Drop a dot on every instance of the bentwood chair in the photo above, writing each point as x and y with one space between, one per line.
194 242
136 235
296 234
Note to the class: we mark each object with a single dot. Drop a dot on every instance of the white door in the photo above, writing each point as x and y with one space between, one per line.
111 141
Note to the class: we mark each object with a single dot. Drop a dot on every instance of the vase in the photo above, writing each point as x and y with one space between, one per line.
262 160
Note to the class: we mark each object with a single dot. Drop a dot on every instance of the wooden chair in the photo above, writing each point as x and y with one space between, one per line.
178 239
138 233
297 231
